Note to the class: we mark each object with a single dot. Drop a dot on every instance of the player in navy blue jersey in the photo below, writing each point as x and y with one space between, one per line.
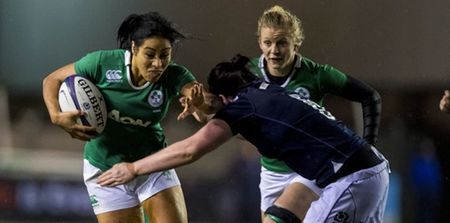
282 125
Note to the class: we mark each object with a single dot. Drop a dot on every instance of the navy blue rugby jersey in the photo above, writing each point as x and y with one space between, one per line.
287 127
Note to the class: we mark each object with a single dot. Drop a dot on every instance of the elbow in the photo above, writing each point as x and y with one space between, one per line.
189 157
45 81
191 154
376 97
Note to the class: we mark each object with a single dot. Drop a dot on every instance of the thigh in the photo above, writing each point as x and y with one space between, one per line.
297 198
107 199
360 197
166 206
272 185
129 215
288 190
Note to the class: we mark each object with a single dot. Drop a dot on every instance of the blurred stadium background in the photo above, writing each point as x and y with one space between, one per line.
400 47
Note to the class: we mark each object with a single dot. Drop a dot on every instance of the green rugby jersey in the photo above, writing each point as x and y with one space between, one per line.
133 128
311 80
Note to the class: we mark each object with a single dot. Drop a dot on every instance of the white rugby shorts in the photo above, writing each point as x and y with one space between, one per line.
105 199
272 185
358 197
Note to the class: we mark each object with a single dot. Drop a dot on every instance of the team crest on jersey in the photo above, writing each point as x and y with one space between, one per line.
155 98
303 92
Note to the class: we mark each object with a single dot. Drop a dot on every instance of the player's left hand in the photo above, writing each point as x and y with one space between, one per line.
120 173
192 102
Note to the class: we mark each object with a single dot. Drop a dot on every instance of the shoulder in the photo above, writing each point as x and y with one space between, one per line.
107 55
318 68
255 66
309 64
178 69
254 62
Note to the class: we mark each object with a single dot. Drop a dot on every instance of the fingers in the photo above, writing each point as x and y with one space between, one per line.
187 108
197 97
118 174
182 116
182 100
82 132
447 93
107 179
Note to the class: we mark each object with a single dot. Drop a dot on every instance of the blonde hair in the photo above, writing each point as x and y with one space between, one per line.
278 17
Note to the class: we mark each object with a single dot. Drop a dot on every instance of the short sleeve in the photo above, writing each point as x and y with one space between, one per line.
332 80
88 66
178 76
236 114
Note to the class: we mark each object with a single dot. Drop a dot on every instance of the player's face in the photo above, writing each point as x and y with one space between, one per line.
278 49
151 59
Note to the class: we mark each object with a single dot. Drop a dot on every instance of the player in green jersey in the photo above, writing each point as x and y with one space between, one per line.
138 82
280 36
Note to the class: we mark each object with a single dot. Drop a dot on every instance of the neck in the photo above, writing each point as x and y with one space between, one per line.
280 72
136 79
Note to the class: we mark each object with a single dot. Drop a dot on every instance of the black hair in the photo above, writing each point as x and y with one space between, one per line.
138 27
228 78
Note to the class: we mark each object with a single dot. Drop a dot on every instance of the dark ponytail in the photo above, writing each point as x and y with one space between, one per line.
227 78
125 30
138 27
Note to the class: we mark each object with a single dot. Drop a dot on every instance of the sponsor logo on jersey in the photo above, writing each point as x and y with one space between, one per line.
113 76
155 98
115 115
303 92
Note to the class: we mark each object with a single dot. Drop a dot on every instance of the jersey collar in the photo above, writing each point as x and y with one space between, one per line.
127 60
297 65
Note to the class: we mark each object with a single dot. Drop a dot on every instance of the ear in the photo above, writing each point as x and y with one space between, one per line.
134 48
297 47
260 43
224 100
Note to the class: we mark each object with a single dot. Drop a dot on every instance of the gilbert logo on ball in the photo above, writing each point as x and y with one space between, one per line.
79 93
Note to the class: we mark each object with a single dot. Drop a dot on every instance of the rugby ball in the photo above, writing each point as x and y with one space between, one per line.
79 93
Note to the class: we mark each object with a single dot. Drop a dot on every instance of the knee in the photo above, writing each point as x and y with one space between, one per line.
281 215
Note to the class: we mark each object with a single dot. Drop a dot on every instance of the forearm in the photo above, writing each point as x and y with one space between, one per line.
370 100
50 88
371 118
175 155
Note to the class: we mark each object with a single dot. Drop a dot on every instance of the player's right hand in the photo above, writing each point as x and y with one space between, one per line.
444 104
68 122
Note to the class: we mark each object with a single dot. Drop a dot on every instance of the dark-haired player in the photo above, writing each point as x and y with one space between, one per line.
283 125
138 82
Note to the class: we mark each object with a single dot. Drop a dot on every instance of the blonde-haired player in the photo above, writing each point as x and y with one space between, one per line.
280 36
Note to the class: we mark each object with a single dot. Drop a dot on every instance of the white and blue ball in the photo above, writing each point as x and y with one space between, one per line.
79 93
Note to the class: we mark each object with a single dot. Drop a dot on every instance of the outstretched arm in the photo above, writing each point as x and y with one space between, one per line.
370 100
183 152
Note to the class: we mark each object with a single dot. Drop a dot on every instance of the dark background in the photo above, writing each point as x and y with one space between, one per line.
402 48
